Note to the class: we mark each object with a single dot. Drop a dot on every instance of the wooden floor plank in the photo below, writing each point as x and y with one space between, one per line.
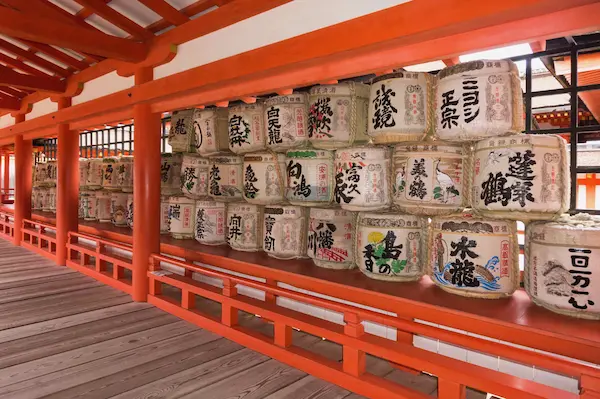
310 387
52 288
18 276
38 281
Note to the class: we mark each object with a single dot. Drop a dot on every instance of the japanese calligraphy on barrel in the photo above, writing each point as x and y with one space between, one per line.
562 265
51 173
50 203
401 107
104 209
182 216
473 257
170 171
246 128
84 170
42 198
165 222
330 240
244 227
284 232
194 176
37 198
337 115
478 99
362 178
109 174
95 174
212 131
130 210
182 136
225 178
39 175
89 206
429 178
524 177
389 246
118 209
210 222
264 178
125 173
309 175
285 121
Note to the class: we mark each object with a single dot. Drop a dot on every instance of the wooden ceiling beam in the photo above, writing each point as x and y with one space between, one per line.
43 30
9 77
167 11
13 92
39 61
189 11
21 66
56 54
10 103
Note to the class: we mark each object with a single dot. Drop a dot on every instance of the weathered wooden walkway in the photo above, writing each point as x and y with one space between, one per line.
64 335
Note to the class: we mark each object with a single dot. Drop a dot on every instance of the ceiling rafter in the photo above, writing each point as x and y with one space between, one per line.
189 11
56 54
166 11
26 55
8 77
13 92
10 103
13 62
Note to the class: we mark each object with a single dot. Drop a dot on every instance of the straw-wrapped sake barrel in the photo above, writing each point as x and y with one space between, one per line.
50 204
244 227
165 222
39 175
182 216
51 173
42 198
194 176
109 174
212 131
330 239
182 137
104 209
562 265
362 178
84 170
89 204
284 231
225 178
390 246
130 210
246 128
401 107
95 174
210 222
429 178
309 177
264 178
37 198
118 208
286 121
473 257
79 204
170 171
478 99
125 173
337 115
525 177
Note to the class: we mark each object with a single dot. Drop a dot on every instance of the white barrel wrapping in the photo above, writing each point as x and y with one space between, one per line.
390 246
524 177
182 136
310 177
246 128
478 99
210 222
165 222
109 174
473 257
104 209
430 178
562 265
194 176
284 231
89 205
245 227
84 170
130 210
118 207
212 131
225 178
286 121
182 217
362 178
95 174
337 115
264 178
401 107
330 239
170 174
125 173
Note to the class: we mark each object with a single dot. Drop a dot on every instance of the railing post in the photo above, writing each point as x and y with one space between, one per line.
590 387
229 314
283 334
6 176
154 286
100 264
23 177
451 390
354 360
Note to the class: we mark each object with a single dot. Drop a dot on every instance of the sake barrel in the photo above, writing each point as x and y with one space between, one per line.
50 200
401 107
80 208
330 239
109 174
525 177
285 121
36 199
212 131
284 231
562 265
244 227
95 174
478 99
309 175
51 173
130 210
337 115
118 209
390 246
194 176
225 178
39 175
170 174
47 203
362 178
429 178
182 136
104 203
165 222
125 173
264 178
210 222
90 205
473 257
182 212
42 198
84 170
246 128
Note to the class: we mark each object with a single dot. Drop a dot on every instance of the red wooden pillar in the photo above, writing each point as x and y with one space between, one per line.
6 175
146 189
23 181
67 187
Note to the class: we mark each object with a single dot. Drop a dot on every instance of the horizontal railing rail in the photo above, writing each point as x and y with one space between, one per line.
39 237
7 225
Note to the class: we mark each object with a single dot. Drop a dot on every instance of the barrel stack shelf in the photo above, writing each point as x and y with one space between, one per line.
365 315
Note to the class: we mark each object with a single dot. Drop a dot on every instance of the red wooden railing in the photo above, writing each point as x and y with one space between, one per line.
7 225
39 237
7 196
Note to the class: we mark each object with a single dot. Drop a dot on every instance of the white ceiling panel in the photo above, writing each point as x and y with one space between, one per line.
70 6
135 11
105 26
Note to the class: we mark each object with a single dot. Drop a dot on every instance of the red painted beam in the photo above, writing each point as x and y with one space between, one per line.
10 103
11 78
167 11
